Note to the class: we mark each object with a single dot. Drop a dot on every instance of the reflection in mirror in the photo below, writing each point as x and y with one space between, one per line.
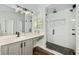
11 21
28 23
37 24
18 19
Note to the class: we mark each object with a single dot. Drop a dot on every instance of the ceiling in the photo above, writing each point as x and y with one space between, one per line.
32 7
36 7
58 7
5 8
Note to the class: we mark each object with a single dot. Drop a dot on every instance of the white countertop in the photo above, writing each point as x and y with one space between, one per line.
12 38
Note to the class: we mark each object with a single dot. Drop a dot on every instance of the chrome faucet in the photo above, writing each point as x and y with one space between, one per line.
18 34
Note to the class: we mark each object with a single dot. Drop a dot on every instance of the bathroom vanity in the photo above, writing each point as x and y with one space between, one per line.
23 45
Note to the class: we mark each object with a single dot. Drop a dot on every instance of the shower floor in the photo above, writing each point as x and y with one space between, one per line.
60 49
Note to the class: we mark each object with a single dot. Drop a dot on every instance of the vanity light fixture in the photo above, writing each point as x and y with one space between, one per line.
27 12
18 9
23 10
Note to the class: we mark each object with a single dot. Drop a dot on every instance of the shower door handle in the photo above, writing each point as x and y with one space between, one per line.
53 31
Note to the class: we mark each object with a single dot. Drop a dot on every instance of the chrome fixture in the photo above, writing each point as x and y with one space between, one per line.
54 11
73 7
18 34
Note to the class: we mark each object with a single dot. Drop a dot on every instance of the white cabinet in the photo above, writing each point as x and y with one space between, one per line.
14 49
19 48
11 49
28 47
4 50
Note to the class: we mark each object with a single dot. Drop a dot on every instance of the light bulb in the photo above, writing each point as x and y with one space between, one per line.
27 12
73 20
18 9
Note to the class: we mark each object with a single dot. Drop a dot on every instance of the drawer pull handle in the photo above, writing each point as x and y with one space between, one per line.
21 45
24 44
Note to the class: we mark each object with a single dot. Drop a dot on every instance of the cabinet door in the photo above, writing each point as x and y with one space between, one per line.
15 48
4 50
28 47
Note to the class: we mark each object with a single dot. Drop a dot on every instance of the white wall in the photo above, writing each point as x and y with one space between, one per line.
77 30
68 41
7 13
